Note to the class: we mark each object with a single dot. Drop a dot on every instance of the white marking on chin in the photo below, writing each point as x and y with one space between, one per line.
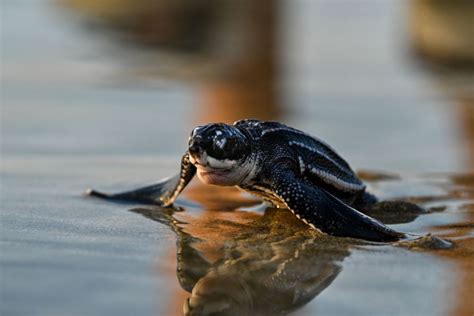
220 176
224 171
217 171
212 163
220 164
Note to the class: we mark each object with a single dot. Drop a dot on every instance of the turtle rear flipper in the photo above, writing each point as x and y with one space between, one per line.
163 193
325 212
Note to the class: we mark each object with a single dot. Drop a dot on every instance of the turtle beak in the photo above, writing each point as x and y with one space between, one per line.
195 145
198 144
194 148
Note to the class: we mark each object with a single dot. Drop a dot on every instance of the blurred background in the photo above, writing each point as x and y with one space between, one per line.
388 84
106 92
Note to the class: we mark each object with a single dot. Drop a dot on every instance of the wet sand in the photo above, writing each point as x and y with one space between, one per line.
72 119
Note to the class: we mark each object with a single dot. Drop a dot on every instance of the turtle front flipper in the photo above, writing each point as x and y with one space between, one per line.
163 193
321 210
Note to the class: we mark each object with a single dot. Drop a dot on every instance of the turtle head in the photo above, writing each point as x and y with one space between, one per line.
221 153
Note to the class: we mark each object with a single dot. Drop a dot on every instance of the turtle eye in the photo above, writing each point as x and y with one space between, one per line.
229 145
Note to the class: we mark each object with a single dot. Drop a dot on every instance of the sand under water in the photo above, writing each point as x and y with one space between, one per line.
63 253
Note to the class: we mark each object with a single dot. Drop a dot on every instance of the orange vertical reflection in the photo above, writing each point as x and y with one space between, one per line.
247 89
463 254
466 116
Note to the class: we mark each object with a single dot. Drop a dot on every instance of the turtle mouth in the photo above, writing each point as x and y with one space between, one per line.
198 160
211 172
204 162
207 170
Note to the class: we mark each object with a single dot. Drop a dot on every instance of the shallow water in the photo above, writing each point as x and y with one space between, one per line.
67 254
73 117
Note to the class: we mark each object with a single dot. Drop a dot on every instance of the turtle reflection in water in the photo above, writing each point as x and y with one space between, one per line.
258 265
285 167
267 266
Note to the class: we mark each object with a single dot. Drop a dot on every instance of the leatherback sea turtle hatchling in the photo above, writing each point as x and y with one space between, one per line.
282 165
